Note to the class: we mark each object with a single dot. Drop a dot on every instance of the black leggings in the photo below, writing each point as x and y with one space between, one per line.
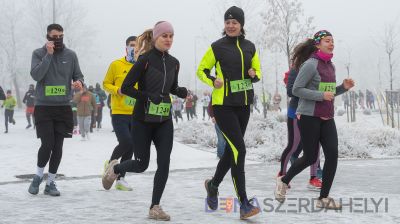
99 117
162 135
8 117
51 149
314 130
122 125
233 122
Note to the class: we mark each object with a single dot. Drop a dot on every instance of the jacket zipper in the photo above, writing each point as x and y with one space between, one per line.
165 78
241 55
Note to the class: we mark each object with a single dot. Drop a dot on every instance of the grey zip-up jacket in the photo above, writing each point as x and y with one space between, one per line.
316 77
54 75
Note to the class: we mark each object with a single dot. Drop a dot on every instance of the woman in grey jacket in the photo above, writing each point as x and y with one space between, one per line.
315 85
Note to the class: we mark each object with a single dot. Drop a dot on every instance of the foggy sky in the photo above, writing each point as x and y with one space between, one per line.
356 25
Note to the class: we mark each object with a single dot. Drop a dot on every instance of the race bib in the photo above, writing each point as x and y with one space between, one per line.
129 101
55 91
161 109
327 87
241 85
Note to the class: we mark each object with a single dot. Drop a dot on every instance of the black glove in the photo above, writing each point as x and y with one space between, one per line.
155 98
181 92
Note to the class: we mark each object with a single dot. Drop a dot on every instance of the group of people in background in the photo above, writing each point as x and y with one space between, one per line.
360 100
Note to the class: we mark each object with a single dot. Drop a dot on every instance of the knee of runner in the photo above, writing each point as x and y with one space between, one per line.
312 159
143 165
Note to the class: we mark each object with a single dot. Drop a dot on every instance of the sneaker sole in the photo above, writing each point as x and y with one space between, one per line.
206 186
252 213
159 219
107 184
33 192
54 195
313 188
121 188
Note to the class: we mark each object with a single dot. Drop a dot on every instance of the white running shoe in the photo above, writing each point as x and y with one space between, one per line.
122 185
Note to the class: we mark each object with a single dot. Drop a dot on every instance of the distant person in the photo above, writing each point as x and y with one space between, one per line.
9 105
86 105
2 95
29 101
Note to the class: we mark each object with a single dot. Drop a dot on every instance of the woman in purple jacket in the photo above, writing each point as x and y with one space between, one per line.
315 85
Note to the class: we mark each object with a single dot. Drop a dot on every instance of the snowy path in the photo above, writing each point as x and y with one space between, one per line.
84 201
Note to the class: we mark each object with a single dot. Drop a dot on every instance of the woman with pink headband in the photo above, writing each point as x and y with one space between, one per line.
156 73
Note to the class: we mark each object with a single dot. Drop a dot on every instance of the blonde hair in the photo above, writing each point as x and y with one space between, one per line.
144 42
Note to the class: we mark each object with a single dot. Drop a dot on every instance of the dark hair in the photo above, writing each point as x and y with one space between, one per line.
129 39
54 26
302 53
9 91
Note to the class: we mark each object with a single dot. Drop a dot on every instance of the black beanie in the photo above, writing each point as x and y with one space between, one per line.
235 13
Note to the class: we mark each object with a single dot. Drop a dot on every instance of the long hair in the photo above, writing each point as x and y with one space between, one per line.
302 53
144 42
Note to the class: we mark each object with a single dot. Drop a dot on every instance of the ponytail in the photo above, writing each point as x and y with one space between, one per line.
144 42
302 52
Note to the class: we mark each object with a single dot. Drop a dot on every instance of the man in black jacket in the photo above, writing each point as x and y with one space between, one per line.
29 101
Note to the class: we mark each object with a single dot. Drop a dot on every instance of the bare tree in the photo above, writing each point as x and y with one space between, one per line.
10 29
390 42
68 14
286 25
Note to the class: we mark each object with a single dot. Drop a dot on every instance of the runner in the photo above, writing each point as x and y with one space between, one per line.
237 66
93 117
315 85
121 109
9 104
177 105
301 53
156 73
29 101
86 104
54 67
205 101
102 97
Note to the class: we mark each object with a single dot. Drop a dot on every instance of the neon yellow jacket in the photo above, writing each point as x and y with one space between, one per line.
9 103
232 57
120 104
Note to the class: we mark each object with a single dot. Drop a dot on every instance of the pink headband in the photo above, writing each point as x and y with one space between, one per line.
161 28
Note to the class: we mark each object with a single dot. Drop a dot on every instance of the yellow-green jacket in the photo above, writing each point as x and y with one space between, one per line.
232 57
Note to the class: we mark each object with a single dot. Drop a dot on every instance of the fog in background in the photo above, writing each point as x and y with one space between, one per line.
98 28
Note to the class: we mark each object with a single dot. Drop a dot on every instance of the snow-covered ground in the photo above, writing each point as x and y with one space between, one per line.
84 201
266 138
